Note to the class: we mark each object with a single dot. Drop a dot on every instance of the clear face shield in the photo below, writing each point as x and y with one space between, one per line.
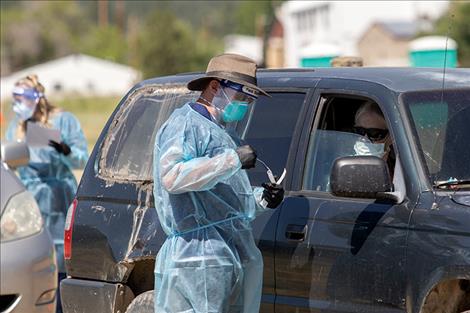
232 100
25 101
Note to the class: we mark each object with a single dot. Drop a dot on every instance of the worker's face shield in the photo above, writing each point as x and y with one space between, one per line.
232 100
25 100
26 95
238 92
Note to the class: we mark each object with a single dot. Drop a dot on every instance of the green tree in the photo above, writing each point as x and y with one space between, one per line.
256 18
105 42
168 46
34 32
456 23
214 16
251 17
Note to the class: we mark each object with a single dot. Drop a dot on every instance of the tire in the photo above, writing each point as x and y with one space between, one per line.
447 296
143 303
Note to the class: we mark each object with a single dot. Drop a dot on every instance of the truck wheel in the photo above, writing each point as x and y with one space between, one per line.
143 303
448 296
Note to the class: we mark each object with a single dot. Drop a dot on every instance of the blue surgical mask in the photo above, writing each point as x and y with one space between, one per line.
369 148
229 110
22 110
234 111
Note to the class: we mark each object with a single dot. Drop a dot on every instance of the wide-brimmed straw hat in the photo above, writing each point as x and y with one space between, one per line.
233 67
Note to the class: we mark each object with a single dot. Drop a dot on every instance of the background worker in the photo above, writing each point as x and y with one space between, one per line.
205 203
48 175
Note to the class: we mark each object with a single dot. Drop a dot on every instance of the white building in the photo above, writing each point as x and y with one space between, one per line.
77 74
248 46
341 23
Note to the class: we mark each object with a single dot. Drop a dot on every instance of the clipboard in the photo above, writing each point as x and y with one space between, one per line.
39 136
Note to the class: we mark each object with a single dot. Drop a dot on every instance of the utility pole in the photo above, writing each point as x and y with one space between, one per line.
103 13
120 15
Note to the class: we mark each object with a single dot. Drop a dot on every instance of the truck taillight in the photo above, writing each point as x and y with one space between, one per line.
69 229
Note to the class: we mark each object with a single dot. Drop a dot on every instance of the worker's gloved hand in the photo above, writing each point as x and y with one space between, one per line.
60 147
273 194
247 156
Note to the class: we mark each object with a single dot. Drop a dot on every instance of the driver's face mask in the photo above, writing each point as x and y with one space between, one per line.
25 101
231 101
365 147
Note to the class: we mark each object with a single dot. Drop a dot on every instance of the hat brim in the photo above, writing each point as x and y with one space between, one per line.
199 84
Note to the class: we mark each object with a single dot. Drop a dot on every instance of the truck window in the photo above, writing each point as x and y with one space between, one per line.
336 134
269 130
127 152
440 120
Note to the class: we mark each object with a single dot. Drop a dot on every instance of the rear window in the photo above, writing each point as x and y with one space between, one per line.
127 152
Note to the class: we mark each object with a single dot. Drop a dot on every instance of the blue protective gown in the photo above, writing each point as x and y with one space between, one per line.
205 203
49 176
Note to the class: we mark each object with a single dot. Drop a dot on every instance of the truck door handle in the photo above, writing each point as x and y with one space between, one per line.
296 232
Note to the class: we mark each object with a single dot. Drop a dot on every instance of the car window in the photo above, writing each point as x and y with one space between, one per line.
269 130
127 152
334 136
325 147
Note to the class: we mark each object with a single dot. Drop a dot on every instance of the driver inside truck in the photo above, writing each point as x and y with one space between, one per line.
369 122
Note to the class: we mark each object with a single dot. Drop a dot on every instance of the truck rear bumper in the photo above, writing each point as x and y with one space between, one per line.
84 296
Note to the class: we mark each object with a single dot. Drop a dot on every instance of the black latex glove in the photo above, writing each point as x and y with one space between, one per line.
247 156
273 194
60 147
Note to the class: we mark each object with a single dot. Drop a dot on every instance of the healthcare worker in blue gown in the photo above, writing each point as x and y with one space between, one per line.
48 175
204 200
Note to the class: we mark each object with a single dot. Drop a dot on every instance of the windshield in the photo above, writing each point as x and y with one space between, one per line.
441 121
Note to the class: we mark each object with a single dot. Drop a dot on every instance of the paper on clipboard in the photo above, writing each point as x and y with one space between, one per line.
37 135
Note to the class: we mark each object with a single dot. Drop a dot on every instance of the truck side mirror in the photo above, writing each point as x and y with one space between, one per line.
14 154
360 177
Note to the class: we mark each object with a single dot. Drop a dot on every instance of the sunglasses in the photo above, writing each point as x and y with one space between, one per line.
371 133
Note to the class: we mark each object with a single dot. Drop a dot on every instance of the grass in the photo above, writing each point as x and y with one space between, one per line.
93 113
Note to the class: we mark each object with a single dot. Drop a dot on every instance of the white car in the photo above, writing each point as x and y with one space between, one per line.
28 271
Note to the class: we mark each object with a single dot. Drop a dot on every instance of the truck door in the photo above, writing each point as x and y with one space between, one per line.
270 129
337 254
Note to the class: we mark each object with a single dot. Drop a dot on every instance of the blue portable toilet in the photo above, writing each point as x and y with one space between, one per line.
318 54
430 51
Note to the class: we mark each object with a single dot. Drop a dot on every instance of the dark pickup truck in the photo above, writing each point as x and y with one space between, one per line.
340 242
